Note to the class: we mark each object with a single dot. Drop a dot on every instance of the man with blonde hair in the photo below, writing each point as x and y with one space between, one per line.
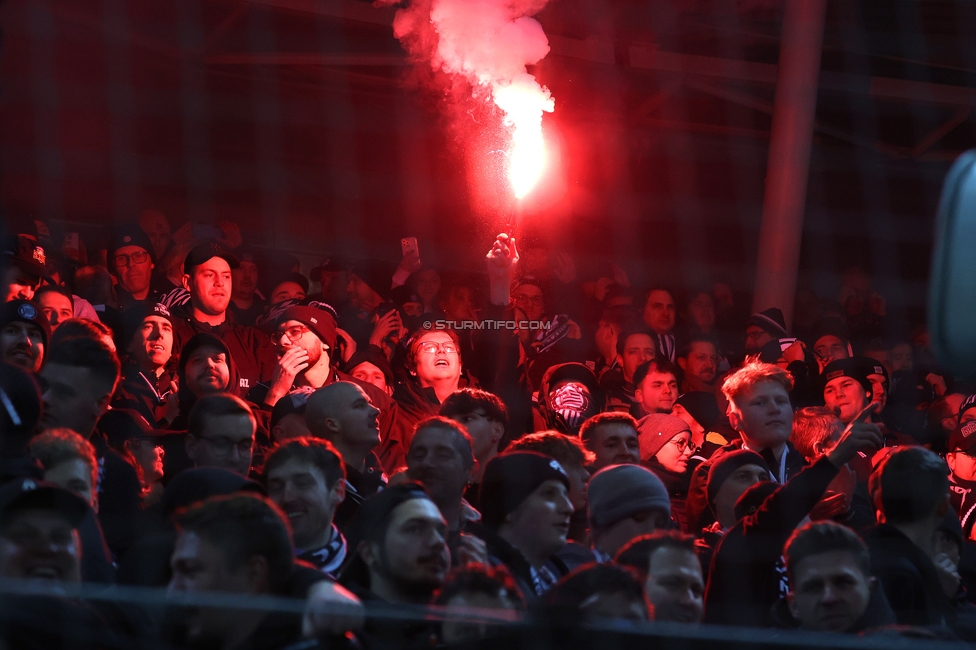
760 411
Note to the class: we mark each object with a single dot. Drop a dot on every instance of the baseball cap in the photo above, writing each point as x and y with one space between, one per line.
25 253
31 494
963 437
208 250
847 368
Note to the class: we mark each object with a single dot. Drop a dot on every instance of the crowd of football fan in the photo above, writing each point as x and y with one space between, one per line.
196 414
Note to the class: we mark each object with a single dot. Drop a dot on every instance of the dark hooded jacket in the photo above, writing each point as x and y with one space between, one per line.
546 417
744 581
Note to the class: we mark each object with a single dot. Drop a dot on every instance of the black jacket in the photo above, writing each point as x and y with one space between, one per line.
146 394
251 349
745 579
909 578
698 512
501 552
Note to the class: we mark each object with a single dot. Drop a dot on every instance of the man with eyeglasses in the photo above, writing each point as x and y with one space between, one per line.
434 364
305 343
221 433
131 260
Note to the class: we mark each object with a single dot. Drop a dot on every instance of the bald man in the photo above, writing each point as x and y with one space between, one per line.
343 414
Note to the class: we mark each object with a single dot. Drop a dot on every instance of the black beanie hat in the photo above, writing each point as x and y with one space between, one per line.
509 479
847 368
725 466
25 311
133 317
772 321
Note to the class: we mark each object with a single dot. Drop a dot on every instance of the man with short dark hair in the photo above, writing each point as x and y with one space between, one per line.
56 304
635 347
484 416
236 544
625 501
911 492
698 360
221 433
246 303
655 388
613 439
305 477
831 587
24 333
674 583
441 459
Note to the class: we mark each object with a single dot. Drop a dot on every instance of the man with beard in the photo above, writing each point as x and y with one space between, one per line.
698 361
343 414
403 558
656 388
441 460
207 276
24 333
131 259
305 342
305 477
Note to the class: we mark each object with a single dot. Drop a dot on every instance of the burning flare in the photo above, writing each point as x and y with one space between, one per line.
489 43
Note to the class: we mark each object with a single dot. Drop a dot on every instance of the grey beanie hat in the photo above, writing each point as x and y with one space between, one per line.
621 491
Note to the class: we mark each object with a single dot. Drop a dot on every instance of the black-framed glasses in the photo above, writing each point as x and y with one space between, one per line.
294 333
222 445
138 257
